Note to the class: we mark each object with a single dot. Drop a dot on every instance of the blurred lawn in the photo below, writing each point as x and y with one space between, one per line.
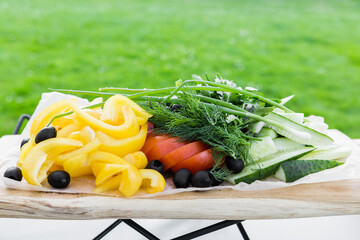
307 48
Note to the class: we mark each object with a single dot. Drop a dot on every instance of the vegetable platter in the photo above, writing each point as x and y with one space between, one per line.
195 135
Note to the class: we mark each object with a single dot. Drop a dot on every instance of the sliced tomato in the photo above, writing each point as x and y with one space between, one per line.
151 141
182 153
164 147
198 162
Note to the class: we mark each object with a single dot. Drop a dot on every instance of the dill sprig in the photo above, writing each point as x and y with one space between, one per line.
199 121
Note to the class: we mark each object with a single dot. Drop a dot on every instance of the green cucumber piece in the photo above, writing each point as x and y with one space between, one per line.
267 132
328 154
296 117
260 149
298 132
266 166
293 170
283 144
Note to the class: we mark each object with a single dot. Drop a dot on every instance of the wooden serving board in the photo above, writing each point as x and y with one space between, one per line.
305 200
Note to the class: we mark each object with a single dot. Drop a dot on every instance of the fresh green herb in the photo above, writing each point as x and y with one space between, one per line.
197 121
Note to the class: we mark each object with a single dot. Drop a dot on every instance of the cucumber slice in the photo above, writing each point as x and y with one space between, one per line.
328 153
298 132
291 171
283 144
296 117
267 132
260 149
266 166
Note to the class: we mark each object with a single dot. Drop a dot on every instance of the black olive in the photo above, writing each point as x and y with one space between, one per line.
59 179
24 141
182 178
235 165
175 107
13 173
45 133
156 165
201 179
216 182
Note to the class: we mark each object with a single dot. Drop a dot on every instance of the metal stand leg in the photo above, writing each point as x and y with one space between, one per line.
242 231
208 229
140 229
191 235
108 229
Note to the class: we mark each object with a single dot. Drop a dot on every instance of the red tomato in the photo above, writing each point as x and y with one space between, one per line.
198 162
164 147
182 153
151 141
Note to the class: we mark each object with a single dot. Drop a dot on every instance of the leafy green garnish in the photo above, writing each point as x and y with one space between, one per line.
197 121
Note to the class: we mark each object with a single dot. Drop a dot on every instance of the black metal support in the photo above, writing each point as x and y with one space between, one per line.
108 229
140 229
242 231
209 229
20 122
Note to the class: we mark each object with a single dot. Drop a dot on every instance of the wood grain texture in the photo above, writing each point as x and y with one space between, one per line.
305 200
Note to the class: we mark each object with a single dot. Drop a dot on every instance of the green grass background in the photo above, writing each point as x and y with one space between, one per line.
307 48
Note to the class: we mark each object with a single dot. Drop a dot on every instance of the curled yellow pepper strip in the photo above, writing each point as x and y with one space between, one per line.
128 129
67 130
152 181
25 150
121 147
75 135
99 159
45 116
78 166
90 147
62 122
110 184
130 181
112 109
130 177
109 171
138 158
87 134
36 163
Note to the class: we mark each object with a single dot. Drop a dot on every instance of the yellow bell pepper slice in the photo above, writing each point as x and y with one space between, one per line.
75 135
128 129
112 109
109 171
62 122
45 116
36 163
110 184
138 158
94 113
99 159
55 168
121 147
67 130
130 181
152 181
87 134
25 150
130 177
90 147
78 166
